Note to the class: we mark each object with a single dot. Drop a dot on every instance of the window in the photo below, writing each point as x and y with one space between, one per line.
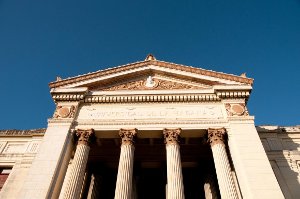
4 172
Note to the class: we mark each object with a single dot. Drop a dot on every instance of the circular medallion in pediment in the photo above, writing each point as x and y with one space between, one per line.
238 109
63 112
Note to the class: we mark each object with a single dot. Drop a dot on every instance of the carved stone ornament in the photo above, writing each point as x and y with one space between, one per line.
151 83
236 109
85 136
64 112
172 136
162 64
216 136
127 136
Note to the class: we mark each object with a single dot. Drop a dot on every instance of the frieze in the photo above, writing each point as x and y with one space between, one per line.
236 109
65 111
150 112
147 123
22 132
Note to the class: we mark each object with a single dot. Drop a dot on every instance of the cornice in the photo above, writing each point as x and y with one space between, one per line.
20 133
148 95
233 94
68 94
131 66
67 97
151 98
278 129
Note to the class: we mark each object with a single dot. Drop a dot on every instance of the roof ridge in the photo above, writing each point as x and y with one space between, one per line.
197 70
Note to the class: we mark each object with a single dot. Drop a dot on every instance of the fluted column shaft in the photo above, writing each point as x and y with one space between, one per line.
216 138
76 175
125 169
174 171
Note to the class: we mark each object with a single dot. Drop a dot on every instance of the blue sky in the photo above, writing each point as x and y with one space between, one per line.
40 40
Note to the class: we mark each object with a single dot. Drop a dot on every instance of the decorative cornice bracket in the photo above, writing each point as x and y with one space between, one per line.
69 94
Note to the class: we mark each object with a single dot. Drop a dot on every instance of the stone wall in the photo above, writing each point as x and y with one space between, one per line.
282 146
17 151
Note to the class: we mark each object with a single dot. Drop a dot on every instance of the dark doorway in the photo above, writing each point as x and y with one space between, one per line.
193 183
151 183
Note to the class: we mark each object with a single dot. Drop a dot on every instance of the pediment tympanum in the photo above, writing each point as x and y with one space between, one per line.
149 83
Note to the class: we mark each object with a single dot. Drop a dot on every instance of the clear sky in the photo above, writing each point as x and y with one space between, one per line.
40 40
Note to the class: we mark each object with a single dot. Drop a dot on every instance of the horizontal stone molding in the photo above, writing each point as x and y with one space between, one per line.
233 94
172 112
14 132
151 98
67 97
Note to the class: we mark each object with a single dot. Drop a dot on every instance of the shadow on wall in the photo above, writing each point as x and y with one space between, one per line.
282 146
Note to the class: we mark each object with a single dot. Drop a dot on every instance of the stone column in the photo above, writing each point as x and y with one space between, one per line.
216 138
76 175
175 188
125 169
94 187
210 188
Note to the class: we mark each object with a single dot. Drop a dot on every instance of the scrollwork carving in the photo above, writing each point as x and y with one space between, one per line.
85 136
236 109
65 112
216 136
172 136
128 136
157 84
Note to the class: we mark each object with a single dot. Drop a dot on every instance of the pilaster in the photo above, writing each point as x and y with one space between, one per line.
45 176
250 161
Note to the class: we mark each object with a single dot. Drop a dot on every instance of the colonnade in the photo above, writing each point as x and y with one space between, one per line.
175 188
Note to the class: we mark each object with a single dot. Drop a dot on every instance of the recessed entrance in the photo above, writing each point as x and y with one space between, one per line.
150 170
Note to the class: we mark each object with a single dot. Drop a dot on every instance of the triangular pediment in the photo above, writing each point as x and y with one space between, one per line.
149 83
151 74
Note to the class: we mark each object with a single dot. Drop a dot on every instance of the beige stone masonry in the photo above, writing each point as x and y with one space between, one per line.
43 179
254 173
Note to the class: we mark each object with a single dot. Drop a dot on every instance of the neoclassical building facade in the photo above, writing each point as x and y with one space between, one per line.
151 129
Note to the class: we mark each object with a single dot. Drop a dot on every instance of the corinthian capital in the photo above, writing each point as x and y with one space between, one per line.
84 136
127 136
216 136
172 136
